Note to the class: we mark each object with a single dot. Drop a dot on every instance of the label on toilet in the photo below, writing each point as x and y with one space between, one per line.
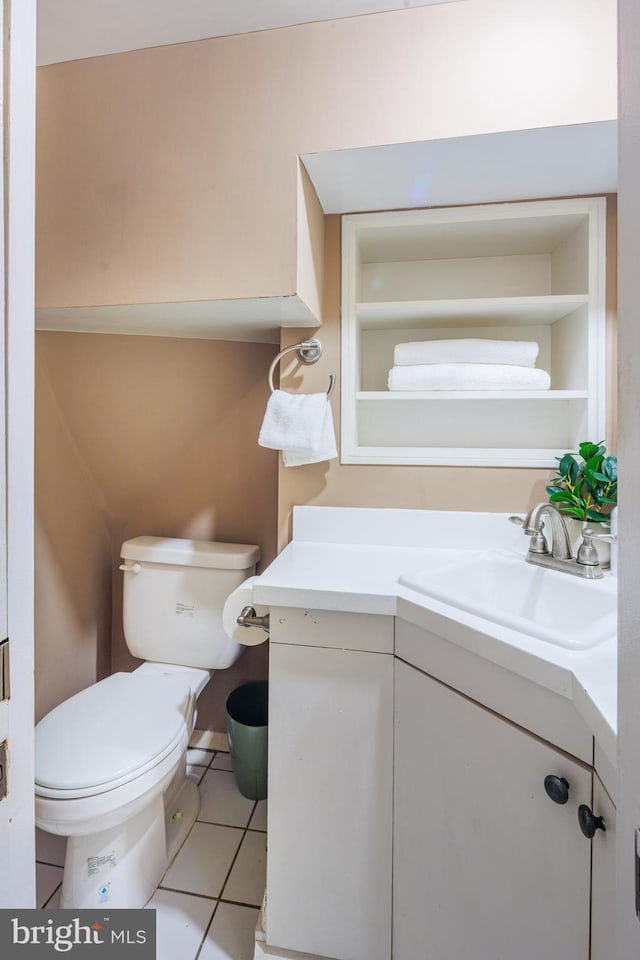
97 865
185 609
115 934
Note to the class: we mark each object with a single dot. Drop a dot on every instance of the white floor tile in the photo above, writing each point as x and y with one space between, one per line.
203 860
209 740
180 924
221 761
195 772
196 755
47 880
221 801
50 847
231 935
248 878
259 817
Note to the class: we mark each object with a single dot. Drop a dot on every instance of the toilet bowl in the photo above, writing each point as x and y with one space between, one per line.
110 770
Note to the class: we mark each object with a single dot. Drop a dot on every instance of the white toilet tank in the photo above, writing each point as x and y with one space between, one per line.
174 592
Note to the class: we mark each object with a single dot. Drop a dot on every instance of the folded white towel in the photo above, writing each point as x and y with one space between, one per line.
468 376
521 353
301 425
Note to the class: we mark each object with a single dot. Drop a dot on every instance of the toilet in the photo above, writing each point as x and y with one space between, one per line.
110 762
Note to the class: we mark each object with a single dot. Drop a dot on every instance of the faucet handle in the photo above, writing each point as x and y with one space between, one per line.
538 543
587 554
605 537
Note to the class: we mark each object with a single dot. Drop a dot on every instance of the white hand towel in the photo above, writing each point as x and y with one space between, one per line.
521 353
301 425
468 376
326 450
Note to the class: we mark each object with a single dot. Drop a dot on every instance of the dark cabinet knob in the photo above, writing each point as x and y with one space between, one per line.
589 823
557 788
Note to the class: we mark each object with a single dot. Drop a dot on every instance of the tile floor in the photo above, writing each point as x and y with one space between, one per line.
208 901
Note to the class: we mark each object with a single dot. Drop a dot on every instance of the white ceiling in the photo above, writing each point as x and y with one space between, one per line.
74 29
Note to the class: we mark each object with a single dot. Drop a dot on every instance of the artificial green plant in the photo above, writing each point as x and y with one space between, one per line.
586 486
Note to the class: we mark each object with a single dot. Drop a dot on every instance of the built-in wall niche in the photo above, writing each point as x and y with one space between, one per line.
523 271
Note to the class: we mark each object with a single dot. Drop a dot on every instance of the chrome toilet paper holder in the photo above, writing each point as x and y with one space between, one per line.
248 618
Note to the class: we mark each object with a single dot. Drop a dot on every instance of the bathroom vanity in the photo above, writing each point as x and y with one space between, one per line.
411 742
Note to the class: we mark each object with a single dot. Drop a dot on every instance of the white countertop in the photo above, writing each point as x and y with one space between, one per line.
349 560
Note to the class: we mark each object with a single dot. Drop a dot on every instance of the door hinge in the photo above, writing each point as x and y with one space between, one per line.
4 670
3 770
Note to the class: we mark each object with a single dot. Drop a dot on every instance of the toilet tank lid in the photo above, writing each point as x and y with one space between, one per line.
191 553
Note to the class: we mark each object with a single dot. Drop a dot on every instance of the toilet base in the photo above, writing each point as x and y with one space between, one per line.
181 812
122 867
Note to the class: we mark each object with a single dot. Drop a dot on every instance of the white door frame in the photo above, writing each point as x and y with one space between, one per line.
628 814
17 876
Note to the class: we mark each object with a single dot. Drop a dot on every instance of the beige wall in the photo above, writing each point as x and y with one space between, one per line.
170 174
310 244
72 555
436 488
140 435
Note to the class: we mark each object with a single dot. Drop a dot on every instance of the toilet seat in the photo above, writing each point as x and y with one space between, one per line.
112 733
79 816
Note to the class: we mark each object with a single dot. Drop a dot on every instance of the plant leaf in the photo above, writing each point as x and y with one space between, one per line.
593 463
563 496
567 465
588 450
579 486
575 512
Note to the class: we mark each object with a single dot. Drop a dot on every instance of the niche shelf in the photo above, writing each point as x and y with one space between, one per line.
517 271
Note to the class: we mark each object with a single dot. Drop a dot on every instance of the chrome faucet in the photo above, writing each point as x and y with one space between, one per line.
533 525
585 564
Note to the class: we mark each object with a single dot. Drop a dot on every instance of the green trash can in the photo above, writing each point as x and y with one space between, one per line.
247 715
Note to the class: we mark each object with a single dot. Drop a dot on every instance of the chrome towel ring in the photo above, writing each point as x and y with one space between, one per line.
309 351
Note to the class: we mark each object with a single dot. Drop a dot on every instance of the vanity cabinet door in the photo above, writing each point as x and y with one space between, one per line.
603 902
329 864
486 865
